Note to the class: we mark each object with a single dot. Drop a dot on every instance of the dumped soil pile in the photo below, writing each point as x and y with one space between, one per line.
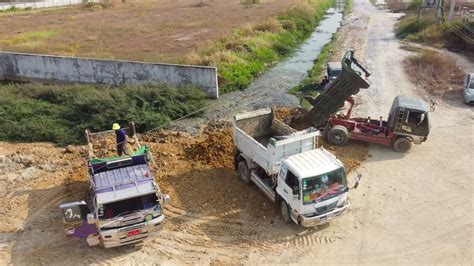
351 155
213 149
198 173
294 117
26 169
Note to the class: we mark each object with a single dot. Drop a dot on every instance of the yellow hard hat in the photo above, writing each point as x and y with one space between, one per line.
115 126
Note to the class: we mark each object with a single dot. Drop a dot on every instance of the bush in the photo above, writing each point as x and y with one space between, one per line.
424 30
434 72
249 2
410 26
32 112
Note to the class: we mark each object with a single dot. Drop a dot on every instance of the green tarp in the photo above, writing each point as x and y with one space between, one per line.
143 150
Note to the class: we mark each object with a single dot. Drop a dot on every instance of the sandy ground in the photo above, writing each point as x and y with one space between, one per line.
152 30
410 209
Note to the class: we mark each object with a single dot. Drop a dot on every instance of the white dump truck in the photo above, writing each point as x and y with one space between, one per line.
308 183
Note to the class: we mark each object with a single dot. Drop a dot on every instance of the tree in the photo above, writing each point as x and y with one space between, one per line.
440 12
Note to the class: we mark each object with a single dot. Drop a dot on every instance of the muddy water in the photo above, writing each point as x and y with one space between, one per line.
270 89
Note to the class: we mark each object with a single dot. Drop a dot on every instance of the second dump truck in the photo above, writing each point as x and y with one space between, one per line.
125 204
308 183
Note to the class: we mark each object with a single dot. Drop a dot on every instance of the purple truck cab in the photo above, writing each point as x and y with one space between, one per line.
125 204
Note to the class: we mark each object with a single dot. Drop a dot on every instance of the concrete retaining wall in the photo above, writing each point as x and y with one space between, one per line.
30 67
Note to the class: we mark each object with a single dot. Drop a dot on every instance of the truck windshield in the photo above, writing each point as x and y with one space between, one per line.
111 210
325 186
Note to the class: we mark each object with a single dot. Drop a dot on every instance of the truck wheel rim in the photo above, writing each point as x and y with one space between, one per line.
337 138
243 172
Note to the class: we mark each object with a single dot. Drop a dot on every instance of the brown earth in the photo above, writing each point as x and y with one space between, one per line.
158 30
209 202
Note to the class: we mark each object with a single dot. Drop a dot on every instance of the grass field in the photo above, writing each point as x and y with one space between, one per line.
242 39
59 114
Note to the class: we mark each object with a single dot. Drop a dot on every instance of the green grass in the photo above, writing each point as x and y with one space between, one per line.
249 2
424 30
307 87
28 37
59 114
251 50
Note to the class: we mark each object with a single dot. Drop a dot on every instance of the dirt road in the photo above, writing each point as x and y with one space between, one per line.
414 208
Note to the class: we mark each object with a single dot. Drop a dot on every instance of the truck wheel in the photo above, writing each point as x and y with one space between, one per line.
285 212
244 172
402 145
338 136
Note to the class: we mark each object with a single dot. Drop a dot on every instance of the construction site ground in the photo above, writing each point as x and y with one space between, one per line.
413 208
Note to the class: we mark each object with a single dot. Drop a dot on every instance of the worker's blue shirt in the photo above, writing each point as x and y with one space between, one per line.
120 136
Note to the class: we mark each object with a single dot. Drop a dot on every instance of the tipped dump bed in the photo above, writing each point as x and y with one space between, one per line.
353 77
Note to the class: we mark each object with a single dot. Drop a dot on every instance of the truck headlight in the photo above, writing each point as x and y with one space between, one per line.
148 217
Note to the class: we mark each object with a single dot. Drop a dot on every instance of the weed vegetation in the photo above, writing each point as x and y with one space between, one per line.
434 72
249 2
252 49
422 28
317 72
28 37
59 114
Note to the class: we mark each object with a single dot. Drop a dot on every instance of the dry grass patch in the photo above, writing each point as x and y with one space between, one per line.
434 72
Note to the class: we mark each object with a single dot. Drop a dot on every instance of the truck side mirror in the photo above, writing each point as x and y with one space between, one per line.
357 180
166 199
74 212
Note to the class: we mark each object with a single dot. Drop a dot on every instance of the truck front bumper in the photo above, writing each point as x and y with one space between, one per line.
128 234
322 218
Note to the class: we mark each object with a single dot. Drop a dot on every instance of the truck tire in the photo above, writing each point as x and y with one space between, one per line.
285 212
402 145
338 136
244 172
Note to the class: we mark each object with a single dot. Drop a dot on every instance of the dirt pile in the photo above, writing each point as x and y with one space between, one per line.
214 149
27 168
294 117
197 172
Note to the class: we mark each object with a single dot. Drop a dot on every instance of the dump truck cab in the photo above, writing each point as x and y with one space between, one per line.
312 188
125 204
409 117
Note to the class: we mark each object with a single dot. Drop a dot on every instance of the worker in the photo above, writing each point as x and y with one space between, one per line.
121 138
